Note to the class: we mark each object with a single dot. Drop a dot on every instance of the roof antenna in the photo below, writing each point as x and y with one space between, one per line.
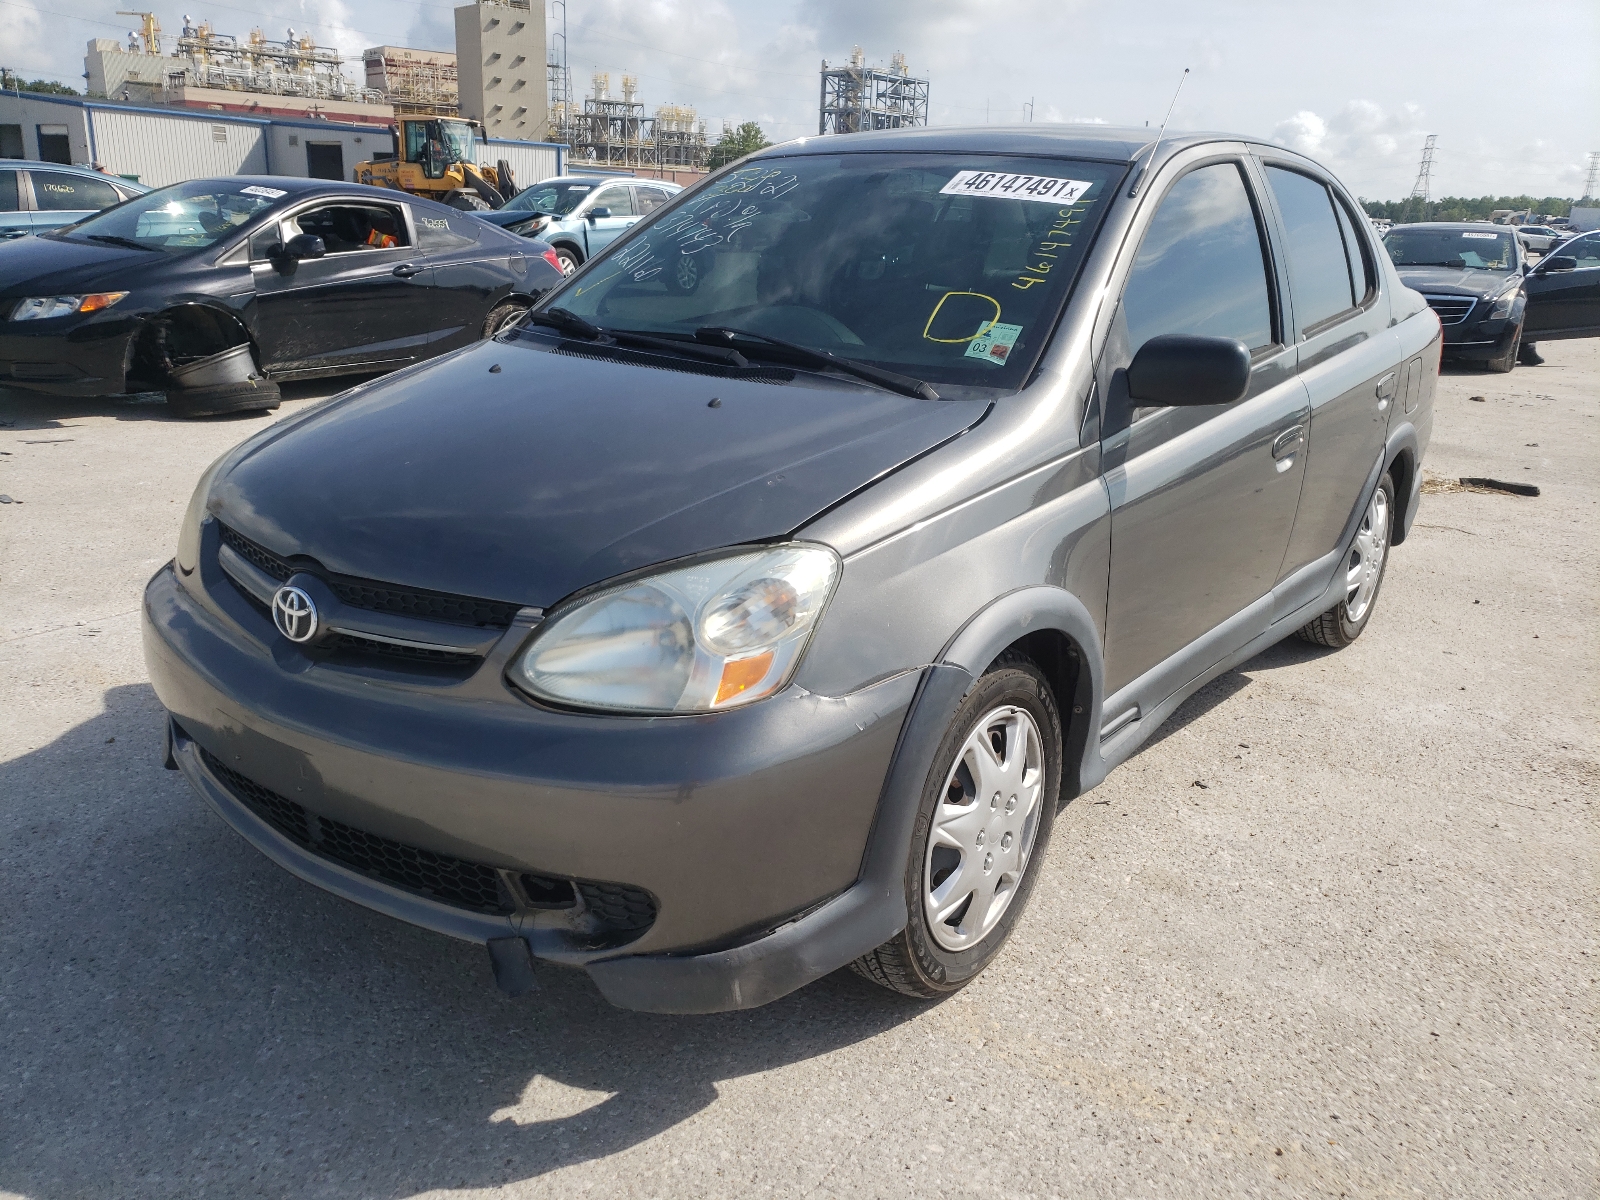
1139 178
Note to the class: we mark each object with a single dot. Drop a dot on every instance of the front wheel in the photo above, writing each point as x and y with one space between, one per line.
986 813
1363 575
1501 363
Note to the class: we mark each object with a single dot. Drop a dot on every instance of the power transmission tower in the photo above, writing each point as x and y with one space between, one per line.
1591 186
1422 189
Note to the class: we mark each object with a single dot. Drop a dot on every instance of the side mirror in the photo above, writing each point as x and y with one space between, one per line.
1561 262
1179 369
302 245
596 213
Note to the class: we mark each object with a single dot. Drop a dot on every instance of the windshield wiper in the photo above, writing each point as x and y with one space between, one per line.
114 240
569 322
892 380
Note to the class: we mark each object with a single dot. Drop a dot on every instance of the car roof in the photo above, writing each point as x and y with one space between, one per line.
594 179
1457 225
1117 143
71 169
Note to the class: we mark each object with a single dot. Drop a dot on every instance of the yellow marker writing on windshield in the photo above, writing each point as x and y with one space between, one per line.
927 330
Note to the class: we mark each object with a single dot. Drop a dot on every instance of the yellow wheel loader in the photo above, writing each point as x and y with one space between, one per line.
439 159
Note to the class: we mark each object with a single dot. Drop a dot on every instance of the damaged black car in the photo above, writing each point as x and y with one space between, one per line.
216 291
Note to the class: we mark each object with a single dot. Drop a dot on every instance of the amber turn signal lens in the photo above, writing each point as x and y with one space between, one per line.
99 300
743 674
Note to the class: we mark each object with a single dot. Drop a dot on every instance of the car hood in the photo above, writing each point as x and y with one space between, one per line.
559 471
503 217
38 266
1468 281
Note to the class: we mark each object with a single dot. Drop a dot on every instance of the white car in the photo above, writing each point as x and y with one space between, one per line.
1539 237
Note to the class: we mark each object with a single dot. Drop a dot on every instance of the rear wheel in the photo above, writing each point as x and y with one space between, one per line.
503 316
1363 573
568 260
986 814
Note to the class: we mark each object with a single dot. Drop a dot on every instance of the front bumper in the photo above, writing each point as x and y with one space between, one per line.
1482 338
66 356
748 828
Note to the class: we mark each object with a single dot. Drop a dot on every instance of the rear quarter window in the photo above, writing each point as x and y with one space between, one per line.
445 231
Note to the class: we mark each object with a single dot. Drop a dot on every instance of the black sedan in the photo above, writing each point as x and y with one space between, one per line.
215 291
1564 292
1472 275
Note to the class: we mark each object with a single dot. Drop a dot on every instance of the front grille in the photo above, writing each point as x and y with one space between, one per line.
437 876
354 643
383 597
616 908
1452 310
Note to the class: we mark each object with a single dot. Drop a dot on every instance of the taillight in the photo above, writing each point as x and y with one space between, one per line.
550 257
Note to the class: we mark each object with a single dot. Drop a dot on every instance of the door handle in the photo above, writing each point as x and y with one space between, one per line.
1385 391
407 270
1287 444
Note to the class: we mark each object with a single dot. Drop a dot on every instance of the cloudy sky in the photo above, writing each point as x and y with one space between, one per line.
1515 99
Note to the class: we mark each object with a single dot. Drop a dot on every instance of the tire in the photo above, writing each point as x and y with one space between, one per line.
1501 363
685 274
502 316
568 259
249 396
950 934
467 201
1364 568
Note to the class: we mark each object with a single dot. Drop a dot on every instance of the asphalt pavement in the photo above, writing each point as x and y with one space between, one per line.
1331 934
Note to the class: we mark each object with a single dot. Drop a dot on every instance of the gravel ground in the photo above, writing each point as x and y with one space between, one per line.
1332 934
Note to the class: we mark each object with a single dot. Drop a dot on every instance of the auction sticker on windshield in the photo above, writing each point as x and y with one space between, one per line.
994 344
1490 236
1045 188
257 190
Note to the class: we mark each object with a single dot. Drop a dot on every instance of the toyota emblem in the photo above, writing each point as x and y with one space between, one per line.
294 613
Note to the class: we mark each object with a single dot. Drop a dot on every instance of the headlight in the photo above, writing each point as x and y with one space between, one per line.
39 308
188 556
1503 303
716 634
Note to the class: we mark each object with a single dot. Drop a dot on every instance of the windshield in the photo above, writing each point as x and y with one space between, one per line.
1478 248
947 268
459 138
185 216
556 198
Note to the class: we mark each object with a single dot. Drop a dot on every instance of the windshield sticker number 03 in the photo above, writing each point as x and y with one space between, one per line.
1044 188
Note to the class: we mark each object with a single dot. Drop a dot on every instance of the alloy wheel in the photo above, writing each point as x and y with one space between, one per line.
983 828
1365 566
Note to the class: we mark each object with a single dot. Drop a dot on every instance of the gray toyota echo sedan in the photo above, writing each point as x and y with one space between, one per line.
713 635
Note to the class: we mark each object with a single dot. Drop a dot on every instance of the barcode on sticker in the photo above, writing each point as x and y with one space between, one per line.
1045 188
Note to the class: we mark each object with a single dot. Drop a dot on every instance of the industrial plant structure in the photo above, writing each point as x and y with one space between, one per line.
611 132
857 97
415 82
218 72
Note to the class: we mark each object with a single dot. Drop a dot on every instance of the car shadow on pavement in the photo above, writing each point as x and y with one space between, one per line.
183 1017
26 410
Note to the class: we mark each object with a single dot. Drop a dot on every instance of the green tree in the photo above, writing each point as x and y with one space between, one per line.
736 143
10 81
1463 208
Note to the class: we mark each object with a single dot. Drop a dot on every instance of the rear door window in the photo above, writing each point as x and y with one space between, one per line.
619 199
9 196
1319 268
57 191
651 198
1201 269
